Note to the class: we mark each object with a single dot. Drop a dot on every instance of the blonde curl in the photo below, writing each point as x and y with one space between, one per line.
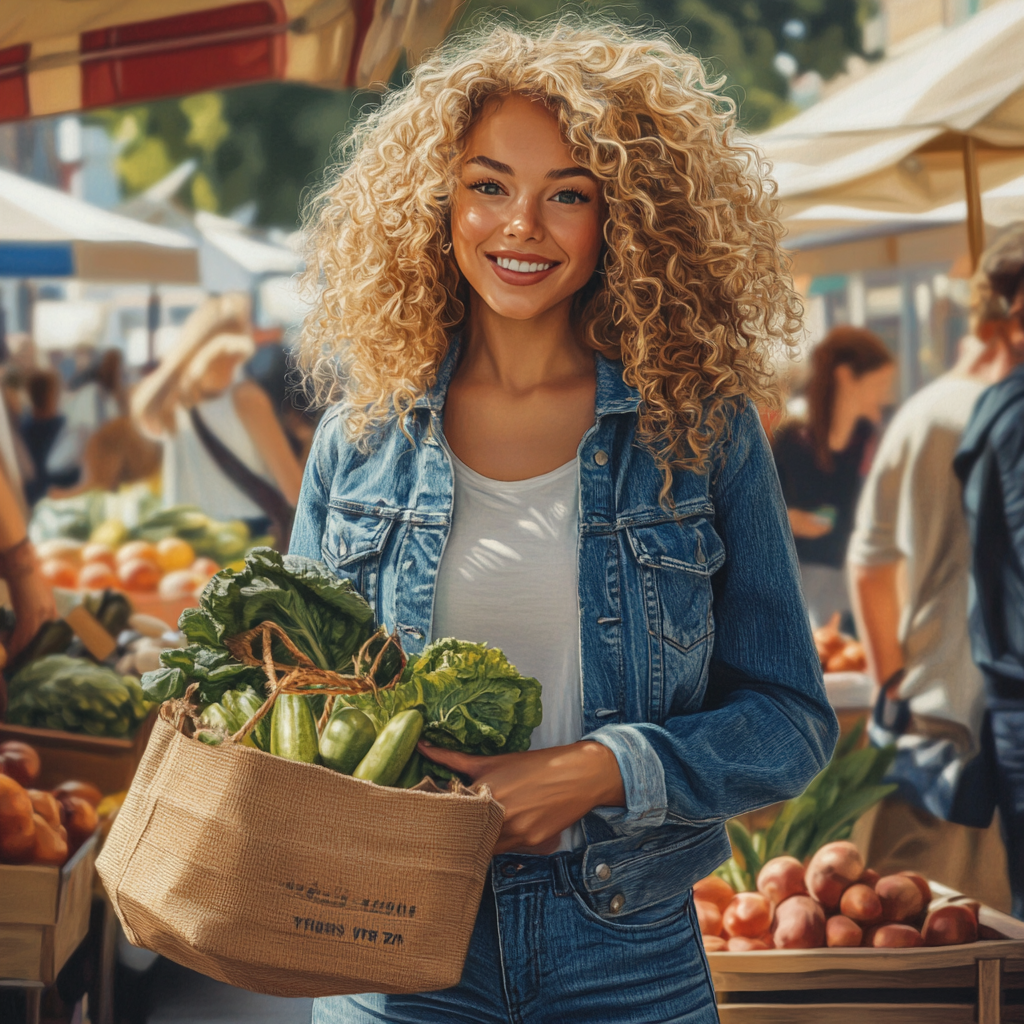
694 294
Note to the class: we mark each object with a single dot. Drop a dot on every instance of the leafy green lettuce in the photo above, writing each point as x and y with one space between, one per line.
471 699
322 615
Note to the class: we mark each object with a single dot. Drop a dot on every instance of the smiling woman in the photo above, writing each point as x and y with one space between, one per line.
548 286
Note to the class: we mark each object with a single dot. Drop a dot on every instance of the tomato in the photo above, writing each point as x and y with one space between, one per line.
60 573
139 574
97 576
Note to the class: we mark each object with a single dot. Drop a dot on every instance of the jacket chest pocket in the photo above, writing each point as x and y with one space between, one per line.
676 561
352 547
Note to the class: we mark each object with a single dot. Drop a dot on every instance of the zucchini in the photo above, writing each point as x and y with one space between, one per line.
413 773
243 704
346 738
293 729
391 750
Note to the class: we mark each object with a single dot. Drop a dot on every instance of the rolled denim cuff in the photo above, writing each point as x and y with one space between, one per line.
643 778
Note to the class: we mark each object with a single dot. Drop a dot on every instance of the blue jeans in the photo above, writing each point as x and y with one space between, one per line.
540 954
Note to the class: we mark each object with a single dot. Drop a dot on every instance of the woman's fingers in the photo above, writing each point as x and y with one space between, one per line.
469 764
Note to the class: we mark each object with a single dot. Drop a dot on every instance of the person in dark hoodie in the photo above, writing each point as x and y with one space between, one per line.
990 463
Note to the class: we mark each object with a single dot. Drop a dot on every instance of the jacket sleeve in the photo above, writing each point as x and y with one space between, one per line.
311 513
1009 451
765 728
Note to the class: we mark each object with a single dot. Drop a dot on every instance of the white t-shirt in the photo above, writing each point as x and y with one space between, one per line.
911 508
508 577
192 477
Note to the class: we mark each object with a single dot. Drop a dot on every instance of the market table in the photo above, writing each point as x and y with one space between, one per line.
853 986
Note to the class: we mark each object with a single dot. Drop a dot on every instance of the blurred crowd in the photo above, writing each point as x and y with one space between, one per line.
912 539
215 424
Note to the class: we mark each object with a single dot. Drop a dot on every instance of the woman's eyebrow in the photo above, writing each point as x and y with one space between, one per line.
570 172
494 165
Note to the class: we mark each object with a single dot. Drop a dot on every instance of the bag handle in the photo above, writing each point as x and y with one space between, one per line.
303 678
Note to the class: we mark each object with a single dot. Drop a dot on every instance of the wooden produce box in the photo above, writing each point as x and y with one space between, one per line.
44 915
107 763
942 985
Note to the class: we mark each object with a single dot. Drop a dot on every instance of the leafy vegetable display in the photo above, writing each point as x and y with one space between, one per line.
825 812
460 695
58 692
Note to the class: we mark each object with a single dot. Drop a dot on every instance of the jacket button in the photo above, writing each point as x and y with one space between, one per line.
603 872
617 903
601 458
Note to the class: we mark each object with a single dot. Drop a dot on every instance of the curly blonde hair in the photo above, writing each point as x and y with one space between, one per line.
694 294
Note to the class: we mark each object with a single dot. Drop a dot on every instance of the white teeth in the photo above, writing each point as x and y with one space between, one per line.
521 266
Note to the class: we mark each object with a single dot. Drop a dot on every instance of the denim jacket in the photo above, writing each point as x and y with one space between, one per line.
699 670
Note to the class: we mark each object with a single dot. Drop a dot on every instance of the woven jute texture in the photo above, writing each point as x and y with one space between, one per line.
293 880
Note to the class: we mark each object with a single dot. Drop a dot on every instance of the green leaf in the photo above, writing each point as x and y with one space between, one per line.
741 840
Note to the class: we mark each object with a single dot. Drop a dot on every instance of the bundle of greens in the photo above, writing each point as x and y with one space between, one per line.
470 697
321 614
463 696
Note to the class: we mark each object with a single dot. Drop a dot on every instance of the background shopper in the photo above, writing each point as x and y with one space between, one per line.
822 461
990 463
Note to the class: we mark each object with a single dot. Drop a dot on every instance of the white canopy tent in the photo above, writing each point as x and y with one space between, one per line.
47 233
921 131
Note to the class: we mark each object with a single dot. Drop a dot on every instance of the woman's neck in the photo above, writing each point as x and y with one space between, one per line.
519 355
845 415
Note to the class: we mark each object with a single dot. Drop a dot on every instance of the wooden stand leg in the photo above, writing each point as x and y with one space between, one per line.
990 991
108 965
33 997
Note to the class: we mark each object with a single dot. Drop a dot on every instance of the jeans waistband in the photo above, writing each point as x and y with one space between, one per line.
560 870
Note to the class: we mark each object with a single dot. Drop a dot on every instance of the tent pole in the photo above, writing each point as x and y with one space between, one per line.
972 190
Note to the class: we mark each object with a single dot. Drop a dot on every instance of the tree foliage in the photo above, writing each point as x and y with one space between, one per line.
269 143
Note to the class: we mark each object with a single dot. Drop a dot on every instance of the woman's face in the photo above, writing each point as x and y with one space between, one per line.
526 221
870 393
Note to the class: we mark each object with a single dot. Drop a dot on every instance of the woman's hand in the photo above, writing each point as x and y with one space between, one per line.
542 791
807 524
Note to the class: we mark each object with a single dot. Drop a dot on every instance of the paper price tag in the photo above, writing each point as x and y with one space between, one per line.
98 642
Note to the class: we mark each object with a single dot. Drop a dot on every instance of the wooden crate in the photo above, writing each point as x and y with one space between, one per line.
107 763
44 915
808 986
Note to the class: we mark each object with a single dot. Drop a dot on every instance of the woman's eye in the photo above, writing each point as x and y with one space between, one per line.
571 197
487 188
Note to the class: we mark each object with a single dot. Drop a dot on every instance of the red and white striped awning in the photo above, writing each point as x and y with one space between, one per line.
64 55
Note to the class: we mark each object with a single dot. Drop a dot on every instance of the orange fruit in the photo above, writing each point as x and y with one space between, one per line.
139 574
99 553
60 573
174 553
97 576
136 549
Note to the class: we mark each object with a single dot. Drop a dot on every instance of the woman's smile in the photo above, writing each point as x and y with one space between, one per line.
521 268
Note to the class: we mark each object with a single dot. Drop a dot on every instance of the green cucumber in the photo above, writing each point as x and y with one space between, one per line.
413 773
243 704
293 729
346 738
218 717
391 750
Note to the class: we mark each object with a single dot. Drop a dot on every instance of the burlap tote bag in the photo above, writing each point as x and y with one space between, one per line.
291 879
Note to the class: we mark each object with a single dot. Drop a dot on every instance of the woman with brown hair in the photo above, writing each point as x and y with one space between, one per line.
822 460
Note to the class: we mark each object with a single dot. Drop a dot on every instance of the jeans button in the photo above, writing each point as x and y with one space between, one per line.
618 901
603 872
601 458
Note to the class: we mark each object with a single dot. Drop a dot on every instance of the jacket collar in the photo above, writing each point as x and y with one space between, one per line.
613 395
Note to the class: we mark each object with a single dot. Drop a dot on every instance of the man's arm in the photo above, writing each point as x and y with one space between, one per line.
876 607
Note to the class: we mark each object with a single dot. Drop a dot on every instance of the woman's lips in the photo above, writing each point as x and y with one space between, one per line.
518 277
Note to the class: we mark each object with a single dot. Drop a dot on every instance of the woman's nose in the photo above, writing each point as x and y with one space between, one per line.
525 222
